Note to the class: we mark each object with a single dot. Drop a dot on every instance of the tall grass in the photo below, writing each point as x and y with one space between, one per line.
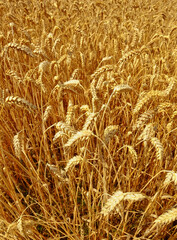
88 119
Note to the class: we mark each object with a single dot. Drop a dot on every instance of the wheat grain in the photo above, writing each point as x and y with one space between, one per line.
21 48
153 93
58 135
133 153
64 127
122 88
102 70
147 133
100 82
162 106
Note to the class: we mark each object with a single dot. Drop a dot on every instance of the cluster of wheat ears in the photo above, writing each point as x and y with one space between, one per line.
88 119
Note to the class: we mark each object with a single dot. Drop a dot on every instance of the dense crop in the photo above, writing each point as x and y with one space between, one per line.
88 118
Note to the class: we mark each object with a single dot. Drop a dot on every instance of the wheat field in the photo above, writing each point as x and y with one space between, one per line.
88 119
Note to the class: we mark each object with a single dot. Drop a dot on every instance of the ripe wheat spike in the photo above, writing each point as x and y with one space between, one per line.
132 152
122 88
134 196
109 132
64 127
70 112
83 134
73 162
144 117
114 200
162 107
167 217
147 133
17 145
20 102
159 148
58 135
170 177
91 117
151 94
102 70
18 47
47 112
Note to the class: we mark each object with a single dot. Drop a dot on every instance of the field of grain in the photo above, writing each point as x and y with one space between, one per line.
88 119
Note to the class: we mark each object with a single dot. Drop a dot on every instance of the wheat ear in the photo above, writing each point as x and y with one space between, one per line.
114 200
47 113
91 117
151 94
20 102
21 48
159 148
170 177
133 153
144 117
167 217
134 196
73 162
17 145
79 135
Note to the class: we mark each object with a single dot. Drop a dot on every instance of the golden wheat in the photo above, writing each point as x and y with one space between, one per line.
170 177
20 102
159 148
167 217
83 134
73 162
93 84
114 200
